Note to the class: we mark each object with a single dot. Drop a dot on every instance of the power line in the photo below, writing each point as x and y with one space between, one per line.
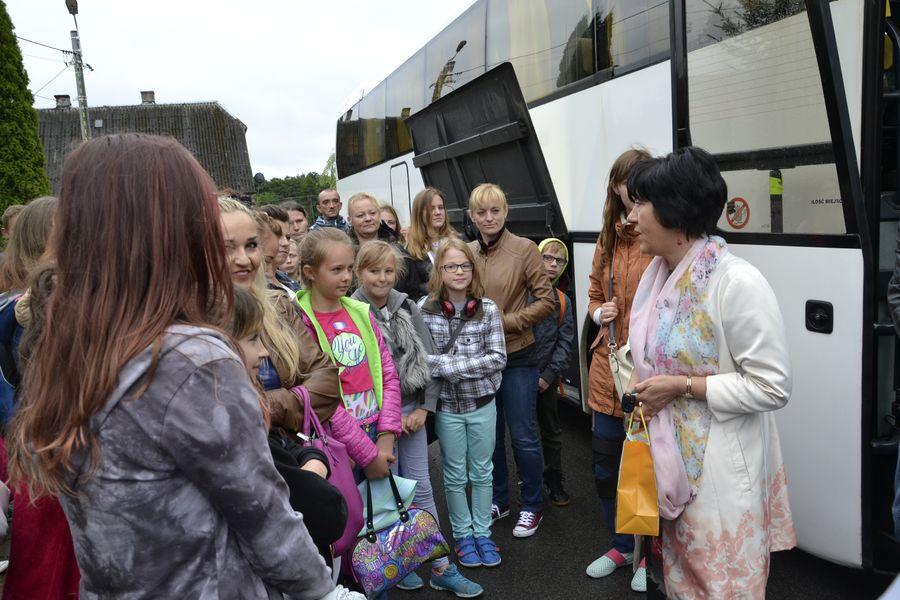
56 60
44 45
51 80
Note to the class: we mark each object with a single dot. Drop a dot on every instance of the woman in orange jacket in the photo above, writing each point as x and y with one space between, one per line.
617 249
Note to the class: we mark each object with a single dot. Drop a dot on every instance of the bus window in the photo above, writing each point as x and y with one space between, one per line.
631 34
756 103
371 116
456 55
405 94
348 153
550 43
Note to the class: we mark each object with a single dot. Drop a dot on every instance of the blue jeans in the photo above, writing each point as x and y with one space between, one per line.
611 429
467 440
517 407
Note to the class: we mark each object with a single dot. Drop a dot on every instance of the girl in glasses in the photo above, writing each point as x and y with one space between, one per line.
469 355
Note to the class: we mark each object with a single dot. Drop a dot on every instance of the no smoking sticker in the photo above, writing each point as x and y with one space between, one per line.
738 213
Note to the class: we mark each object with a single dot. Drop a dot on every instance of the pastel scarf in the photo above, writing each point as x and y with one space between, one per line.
671 333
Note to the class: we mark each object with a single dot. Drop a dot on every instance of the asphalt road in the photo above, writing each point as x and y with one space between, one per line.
551 563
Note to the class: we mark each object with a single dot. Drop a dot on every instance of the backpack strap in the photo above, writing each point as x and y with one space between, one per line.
562 306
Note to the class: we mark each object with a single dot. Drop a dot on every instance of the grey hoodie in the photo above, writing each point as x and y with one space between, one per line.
186 501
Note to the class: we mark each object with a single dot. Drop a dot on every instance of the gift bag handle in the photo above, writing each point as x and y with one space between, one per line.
370 526
639 407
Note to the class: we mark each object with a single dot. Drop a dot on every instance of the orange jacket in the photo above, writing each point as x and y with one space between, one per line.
628 266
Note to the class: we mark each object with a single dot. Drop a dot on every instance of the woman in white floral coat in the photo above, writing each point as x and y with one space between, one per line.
711 364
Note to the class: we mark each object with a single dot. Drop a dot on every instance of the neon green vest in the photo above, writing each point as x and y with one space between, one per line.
359 314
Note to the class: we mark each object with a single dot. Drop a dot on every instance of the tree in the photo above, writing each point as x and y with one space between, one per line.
328 179
22 175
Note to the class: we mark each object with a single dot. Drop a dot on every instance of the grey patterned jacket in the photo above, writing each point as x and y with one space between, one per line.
186 502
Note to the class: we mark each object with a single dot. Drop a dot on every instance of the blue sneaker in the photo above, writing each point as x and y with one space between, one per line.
487 551
411 582
467 552
451 580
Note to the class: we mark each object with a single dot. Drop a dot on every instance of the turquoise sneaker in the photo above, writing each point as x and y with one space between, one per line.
451 580
411 582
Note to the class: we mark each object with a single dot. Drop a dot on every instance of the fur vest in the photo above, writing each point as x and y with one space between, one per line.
407 349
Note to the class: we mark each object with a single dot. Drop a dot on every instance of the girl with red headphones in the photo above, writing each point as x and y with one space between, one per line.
470 353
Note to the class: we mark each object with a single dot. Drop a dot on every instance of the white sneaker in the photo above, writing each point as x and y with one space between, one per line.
639 581
528 524
609 562
342 593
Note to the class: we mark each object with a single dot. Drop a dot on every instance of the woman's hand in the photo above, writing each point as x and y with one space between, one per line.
316 466
415 421
656 392
609 311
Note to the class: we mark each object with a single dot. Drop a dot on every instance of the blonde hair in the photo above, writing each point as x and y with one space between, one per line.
420 238
27 242
486 192
295 244
436 289
377 252
359 197
316 244
283 346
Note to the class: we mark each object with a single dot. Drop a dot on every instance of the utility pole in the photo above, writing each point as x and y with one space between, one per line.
72 5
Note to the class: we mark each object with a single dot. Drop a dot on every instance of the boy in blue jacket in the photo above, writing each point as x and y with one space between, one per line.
554 340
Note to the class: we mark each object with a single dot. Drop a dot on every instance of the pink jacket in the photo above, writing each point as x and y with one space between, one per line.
346 429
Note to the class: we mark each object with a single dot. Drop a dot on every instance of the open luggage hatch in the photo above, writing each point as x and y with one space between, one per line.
482 133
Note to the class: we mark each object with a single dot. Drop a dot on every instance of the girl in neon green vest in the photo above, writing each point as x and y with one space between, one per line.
347 333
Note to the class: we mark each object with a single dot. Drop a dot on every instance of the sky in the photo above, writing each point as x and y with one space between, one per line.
286 68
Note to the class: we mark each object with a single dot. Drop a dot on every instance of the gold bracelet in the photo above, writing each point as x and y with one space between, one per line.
689 388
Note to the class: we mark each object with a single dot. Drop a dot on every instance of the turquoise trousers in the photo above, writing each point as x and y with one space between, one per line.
467 445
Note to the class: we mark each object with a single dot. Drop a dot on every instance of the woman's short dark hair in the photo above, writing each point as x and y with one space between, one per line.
276 212
685 188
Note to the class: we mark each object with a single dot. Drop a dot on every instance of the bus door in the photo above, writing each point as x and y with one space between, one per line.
764 91
482 132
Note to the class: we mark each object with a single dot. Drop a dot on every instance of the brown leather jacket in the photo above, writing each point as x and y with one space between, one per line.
629 264
318 375
511 269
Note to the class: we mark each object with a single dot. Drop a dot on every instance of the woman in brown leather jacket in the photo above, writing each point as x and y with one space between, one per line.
617 248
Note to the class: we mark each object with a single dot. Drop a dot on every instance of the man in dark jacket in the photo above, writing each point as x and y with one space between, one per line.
554 339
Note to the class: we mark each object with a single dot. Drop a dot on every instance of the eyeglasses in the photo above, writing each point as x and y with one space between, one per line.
451 268
553 260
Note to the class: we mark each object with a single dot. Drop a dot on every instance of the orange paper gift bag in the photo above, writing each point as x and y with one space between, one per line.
637 506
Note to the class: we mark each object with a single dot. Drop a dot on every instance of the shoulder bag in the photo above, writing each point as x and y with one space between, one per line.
382 558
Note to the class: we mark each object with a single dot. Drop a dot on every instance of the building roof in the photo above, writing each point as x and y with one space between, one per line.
210 132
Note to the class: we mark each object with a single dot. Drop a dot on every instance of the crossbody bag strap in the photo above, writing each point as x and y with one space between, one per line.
612 330
453 335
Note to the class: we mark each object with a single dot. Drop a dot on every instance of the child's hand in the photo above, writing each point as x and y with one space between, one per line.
542 384
380 467
415 421
385 443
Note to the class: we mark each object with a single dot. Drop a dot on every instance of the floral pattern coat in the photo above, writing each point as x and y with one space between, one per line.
719 546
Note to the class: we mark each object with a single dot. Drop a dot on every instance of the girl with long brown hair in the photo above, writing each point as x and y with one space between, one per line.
428 227
618 264
136 411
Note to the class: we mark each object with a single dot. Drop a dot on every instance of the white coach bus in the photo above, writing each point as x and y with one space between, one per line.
798 101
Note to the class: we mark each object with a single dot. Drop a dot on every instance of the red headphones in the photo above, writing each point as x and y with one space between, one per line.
468 310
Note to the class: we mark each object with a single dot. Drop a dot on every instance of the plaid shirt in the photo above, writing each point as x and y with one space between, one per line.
471 369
